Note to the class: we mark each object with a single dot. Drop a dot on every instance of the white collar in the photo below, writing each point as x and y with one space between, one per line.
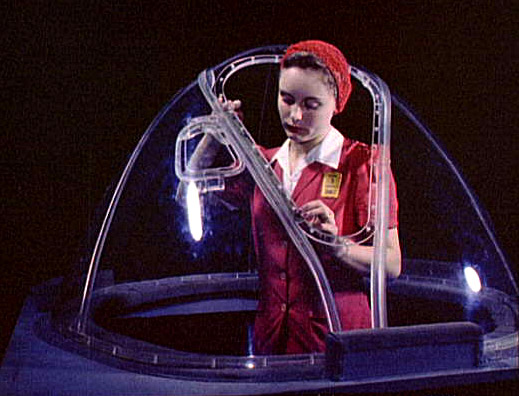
327 152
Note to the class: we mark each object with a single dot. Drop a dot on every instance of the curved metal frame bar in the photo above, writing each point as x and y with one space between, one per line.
211 179
259 168
272 189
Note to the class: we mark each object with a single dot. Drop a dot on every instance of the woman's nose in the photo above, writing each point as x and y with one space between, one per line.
296 113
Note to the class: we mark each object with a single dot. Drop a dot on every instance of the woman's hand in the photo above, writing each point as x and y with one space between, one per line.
319 216
231 106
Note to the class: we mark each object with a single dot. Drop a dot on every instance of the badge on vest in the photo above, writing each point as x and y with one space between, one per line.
331 185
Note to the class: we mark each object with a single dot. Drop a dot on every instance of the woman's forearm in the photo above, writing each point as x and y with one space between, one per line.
204 153
360 257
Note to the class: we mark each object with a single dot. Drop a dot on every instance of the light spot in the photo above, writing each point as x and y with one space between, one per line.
194 212
472 279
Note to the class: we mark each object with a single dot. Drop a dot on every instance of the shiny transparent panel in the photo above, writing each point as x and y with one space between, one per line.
180 256
160 226
441 220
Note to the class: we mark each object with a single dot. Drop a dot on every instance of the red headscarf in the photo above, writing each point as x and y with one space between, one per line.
334 60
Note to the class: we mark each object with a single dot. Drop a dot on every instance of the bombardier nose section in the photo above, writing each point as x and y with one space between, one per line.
171 281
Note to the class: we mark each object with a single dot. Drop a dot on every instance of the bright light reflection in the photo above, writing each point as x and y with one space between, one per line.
250 365
472 278
194 211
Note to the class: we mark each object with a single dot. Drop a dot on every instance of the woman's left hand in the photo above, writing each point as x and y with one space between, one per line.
319 215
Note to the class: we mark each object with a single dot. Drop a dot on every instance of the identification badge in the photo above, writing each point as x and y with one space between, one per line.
331 185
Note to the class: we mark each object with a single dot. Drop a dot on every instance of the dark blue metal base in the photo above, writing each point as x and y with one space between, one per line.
33 366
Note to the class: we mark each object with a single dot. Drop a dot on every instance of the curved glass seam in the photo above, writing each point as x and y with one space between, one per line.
107 220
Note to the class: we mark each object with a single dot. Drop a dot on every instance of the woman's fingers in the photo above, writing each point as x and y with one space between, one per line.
317 209
232 105
229 105
319 215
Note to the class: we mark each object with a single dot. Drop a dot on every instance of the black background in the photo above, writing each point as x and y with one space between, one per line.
82 81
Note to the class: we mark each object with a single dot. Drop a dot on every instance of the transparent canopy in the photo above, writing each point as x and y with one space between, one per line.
173 258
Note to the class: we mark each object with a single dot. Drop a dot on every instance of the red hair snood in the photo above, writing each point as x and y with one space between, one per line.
334 60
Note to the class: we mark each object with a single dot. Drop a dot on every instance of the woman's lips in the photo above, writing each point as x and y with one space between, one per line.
294 129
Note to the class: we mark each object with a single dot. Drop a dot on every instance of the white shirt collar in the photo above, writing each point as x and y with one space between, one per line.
328 152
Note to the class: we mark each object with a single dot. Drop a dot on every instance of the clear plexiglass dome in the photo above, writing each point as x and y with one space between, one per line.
170 277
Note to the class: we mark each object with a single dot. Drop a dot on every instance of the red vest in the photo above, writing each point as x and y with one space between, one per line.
290 316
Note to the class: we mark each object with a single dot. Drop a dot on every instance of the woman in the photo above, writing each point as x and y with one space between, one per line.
327 176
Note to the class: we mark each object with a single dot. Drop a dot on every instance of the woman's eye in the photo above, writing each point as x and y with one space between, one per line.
288 100
312 105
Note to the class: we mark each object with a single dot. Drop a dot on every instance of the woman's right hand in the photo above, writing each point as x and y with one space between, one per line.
231 106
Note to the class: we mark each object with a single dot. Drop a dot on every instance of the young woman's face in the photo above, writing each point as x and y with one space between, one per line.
306 104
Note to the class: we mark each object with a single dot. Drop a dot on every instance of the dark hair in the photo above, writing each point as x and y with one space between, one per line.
307 60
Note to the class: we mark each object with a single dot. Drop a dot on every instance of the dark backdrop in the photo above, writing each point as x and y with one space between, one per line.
81 82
